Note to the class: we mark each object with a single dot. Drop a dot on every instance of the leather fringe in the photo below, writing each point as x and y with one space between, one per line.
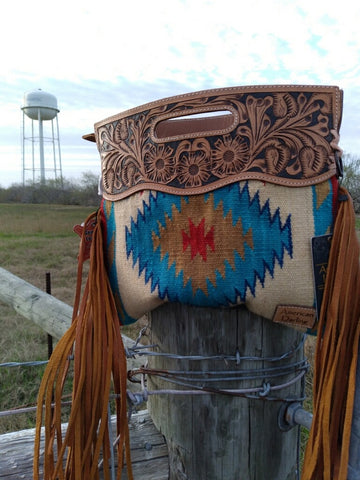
99 361
93 348
327 451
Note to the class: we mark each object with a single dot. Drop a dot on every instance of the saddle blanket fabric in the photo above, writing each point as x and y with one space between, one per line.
245 243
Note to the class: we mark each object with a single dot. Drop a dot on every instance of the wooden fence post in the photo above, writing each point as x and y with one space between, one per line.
46 311
220 437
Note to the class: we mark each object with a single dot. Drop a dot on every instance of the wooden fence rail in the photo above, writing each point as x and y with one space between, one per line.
46 311
148 451
49 313
54 317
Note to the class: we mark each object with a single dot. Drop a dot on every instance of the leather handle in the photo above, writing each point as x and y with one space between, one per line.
194 123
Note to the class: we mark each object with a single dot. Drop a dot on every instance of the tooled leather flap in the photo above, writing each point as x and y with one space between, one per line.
199 141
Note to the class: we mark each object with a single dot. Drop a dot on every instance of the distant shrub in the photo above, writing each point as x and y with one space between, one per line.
351 180
60 191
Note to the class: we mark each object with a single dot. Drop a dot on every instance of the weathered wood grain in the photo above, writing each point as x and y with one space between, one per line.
46 311
218 437
148 450
49 313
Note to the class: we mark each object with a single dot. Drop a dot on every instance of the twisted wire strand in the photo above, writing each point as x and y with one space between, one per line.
144 350
188 379
23 364
251 393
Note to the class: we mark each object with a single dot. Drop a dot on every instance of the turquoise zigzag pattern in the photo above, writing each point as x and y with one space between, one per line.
272 239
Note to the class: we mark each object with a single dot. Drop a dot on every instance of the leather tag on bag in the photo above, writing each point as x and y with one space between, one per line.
295 316
320 253
89 228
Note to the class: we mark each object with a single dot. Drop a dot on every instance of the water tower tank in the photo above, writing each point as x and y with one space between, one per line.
40 102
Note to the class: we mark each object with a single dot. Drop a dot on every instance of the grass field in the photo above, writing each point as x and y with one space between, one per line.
34 240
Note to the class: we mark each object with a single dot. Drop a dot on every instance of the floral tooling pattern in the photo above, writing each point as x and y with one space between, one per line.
283 137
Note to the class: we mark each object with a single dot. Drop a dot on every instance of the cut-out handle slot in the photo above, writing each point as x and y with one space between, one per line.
194 123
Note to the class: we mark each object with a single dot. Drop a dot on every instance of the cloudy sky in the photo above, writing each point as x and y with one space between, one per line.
102 57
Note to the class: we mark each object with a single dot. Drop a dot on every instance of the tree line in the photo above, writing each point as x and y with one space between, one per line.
351 178
59 191
85 191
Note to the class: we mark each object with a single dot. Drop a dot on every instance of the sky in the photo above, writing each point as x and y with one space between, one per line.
100 58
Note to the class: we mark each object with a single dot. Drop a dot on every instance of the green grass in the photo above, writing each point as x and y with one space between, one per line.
34 240
41 219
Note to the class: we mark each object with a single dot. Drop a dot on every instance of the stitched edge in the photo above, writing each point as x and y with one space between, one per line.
217 91
262 177
188 113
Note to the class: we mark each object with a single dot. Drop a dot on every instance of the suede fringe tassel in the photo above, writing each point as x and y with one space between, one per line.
327 451
93 349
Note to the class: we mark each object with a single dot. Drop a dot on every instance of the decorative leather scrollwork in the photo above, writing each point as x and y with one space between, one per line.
283 135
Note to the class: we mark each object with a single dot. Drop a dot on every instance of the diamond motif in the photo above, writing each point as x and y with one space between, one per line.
208 249
198 240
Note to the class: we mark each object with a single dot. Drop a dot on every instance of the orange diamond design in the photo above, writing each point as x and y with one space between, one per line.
198 247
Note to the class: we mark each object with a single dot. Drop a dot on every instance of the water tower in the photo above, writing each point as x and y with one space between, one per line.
40 139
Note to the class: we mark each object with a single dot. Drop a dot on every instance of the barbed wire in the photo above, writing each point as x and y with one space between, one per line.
24 364
143 350
28 409
190 379
199 382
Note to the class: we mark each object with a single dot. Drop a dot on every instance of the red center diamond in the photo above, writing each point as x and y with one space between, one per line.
197 239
